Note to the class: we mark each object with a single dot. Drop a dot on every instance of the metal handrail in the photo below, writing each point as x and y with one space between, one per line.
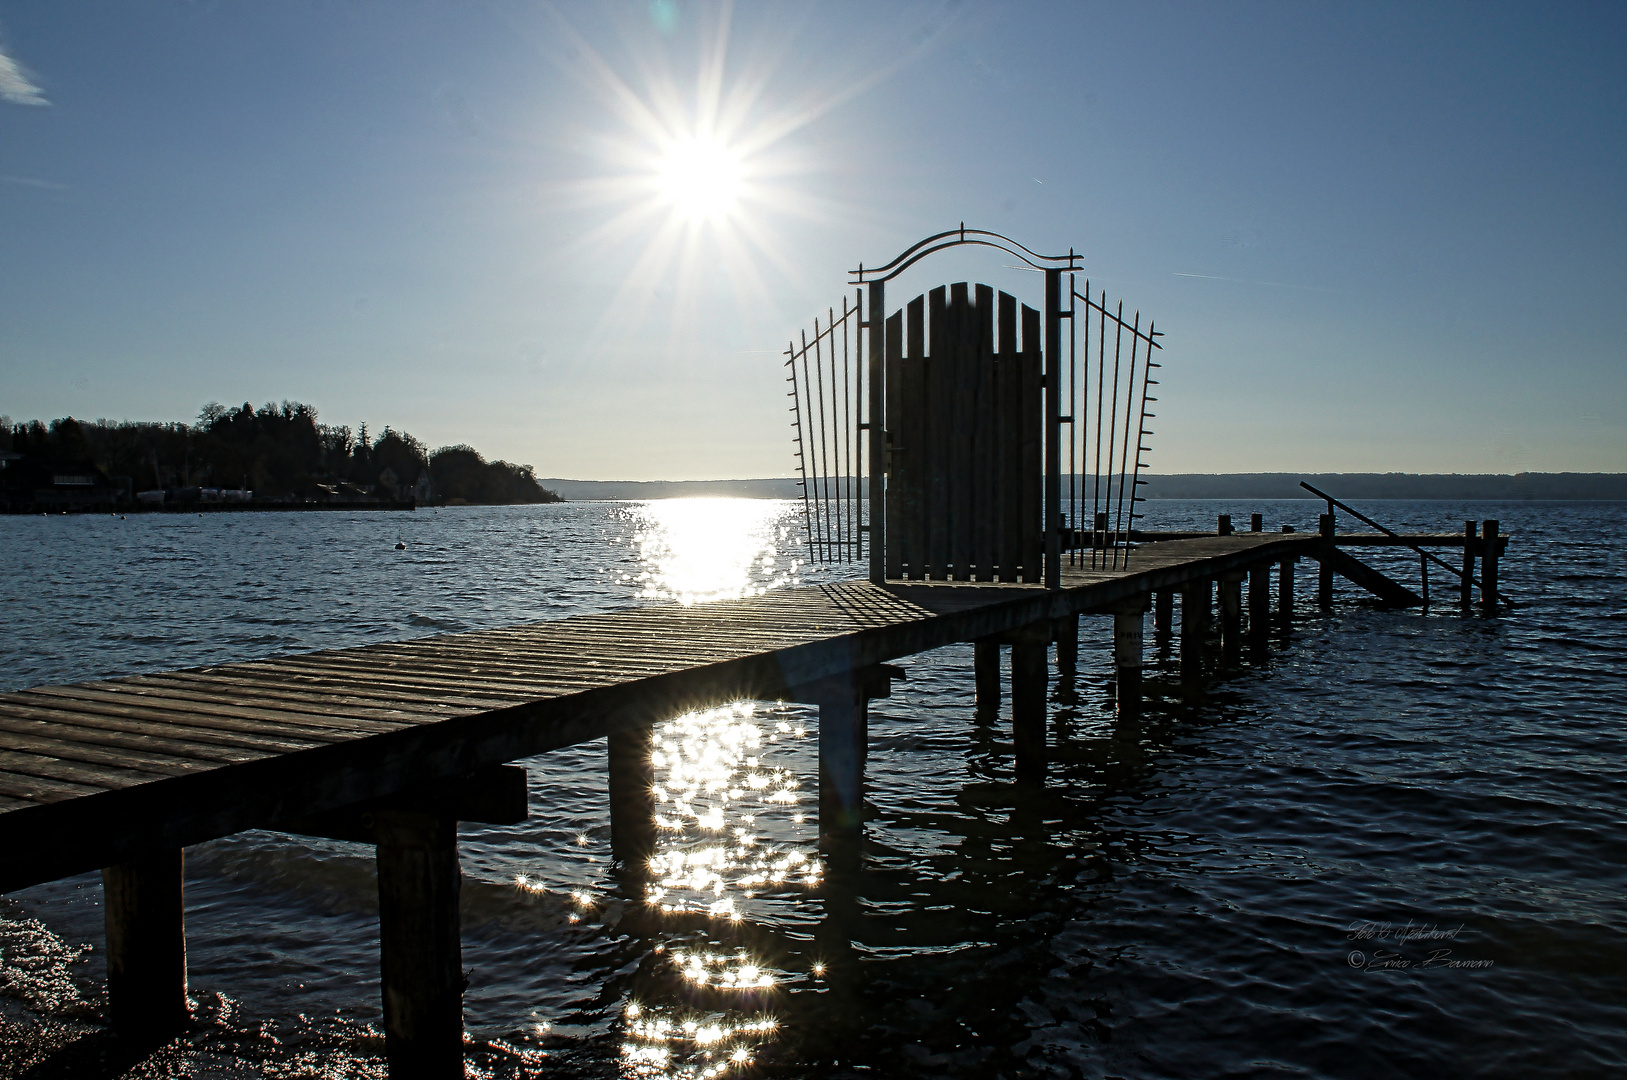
964 236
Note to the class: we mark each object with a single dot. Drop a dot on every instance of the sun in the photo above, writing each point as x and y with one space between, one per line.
700 178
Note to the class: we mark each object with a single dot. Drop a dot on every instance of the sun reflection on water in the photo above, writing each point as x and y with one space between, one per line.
695 550
731 837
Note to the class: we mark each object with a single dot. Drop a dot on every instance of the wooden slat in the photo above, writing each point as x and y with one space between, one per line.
40 789
120 720
1009 390
958 449
912 543
14 727
898 452
937 371
1033 465
91 752
22 763
984 441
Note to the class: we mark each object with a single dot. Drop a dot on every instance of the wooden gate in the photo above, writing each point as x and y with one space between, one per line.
930 441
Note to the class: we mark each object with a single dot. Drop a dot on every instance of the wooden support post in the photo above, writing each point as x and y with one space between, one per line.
1129 621
632 796
1163 611
1489 531
145 909
1028 686
1324 572
1256 523
1195 601
1466 594
986 676
420 950
1066 632
1224 525
842 736
1231 614
1285 591
1259 600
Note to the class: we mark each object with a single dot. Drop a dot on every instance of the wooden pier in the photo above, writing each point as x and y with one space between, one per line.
393 744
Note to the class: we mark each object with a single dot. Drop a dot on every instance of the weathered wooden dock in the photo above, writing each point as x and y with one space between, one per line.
393 743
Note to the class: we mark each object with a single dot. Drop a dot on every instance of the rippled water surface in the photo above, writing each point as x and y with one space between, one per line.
1393 844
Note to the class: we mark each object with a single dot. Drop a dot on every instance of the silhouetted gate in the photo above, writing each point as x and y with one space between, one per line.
974 479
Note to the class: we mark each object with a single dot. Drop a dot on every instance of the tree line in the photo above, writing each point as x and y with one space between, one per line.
280 452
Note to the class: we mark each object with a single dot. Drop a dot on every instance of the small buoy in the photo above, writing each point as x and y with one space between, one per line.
401 545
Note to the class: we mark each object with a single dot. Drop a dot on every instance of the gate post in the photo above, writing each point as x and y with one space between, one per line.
877 323
1053 428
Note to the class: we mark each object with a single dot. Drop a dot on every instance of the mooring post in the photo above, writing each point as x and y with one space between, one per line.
1489 531
842 734
1129 621
1163 611
1099 539
1256 523
420 948
1259 600
986 677
1194 628
1324 570
1066 632
632 796
1466 591
1231 614
1224 525
1028 714
145 913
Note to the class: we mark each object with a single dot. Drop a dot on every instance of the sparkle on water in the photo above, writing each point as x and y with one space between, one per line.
696 550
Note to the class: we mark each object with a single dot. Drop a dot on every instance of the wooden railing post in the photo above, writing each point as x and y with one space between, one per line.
420 949
145 911
1489 531
1466 592
632 796
1324 571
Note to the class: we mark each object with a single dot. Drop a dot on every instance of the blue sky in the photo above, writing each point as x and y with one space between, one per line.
1378 237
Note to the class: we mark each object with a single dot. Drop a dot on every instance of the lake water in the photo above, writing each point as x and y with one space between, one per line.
1394 845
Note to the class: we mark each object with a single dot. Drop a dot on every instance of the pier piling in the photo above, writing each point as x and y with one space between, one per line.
1466 587
1129 622
842 736
1163 612
420 949
1028 685
1231 615
1066 632
1195 608
1488 564
986 677
1324 567
632 796
144 908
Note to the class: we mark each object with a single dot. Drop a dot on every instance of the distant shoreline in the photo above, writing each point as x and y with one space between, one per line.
1517 487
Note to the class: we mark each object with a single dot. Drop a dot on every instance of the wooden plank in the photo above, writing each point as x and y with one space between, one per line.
41 789
897 451
1009 403
94 753
933 422
1033 425
958 448
118 719
111 777
912 392
984 444
14 727
159 708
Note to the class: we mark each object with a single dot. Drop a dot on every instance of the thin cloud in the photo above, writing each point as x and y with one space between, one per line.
16 87
33 182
